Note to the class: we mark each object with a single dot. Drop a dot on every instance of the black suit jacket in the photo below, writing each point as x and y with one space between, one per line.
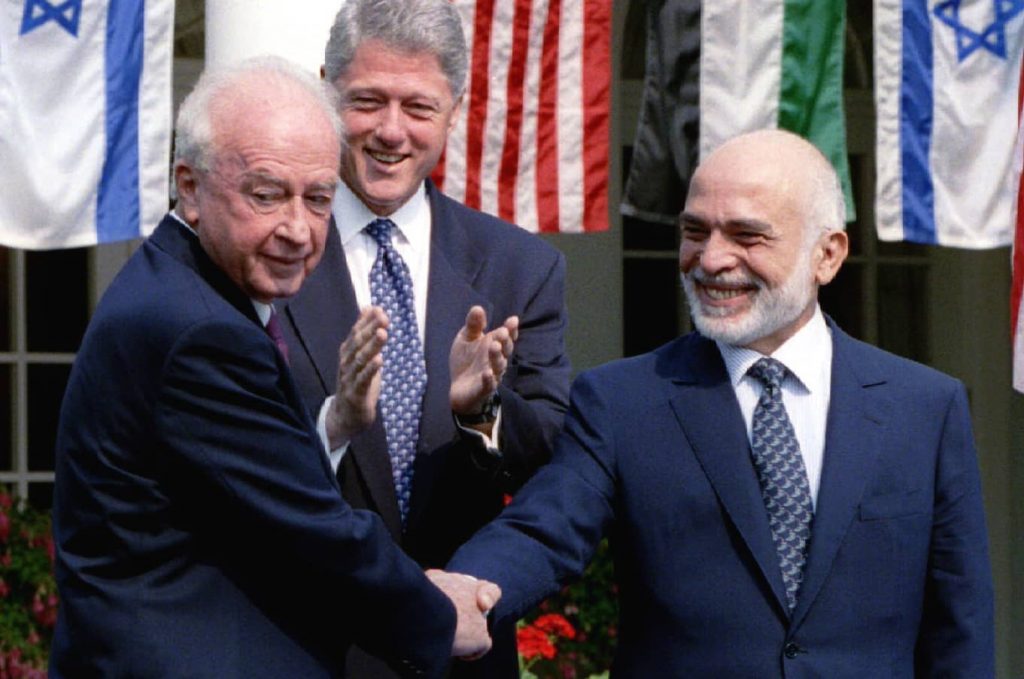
474 259
199 529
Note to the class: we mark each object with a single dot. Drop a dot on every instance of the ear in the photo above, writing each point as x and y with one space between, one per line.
456 111
186 179
830 253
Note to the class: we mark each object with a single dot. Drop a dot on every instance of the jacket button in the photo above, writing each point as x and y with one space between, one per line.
792 650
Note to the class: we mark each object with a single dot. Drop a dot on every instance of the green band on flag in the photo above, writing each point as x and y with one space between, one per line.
811 90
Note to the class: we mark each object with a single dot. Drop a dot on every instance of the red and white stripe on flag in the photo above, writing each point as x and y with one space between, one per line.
531 142
1016 310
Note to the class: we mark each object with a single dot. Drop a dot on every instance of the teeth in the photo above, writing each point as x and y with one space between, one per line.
385 157
720 294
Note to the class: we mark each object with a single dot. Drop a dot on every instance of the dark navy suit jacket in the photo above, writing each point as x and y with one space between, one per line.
474 259
199 529
655 453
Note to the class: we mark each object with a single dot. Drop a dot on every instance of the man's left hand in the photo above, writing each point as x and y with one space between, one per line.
478 360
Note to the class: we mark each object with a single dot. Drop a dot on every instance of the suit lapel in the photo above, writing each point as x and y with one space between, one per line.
449 296
706 407
322 315
856 418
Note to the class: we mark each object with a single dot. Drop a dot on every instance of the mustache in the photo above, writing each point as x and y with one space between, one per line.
736 279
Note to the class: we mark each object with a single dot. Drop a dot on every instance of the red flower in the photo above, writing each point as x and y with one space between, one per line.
4 589
553 623
506 499
5 526
6 501
534 642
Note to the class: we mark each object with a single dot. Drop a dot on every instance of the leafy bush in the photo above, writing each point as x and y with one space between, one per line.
28 593
572 634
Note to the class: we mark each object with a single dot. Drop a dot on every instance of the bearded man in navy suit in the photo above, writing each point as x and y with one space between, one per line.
199 527
487 308
782 500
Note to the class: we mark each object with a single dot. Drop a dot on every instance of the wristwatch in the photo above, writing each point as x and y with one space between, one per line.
488 412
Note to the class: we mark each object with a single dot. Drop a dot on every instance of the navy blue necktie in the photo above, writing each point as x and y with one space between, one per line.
404 377
780 469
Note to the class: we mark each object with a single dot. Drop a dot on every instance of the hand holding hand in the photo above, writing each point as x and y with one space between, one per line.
359 373
473 599
477 360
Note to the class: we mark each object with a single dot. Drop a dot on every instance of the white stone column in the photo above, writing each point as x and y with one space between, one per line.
237 29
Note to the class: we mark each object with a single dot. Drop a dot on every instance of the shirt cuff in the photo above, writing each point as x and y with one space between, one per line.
336 454
491 443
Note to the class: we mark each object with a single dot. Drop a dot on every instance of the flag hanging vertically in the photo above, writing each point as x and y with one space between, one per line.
531 143
1017 290
946 80
768 64
85 120
665 146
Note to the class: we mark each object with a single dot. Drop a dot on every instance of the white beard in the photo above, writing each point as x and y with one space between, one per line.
770 309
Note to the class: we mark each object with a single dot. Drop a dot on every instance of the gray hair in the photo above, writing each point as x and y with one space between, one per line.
410 26
193 138
827 209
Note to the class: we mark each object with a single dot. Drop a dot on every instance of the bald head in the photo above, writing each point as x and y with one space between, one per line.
794 167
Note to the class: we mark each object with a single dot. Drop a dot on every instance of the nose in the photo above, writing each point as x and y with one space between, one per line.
717 253
295 225
390 128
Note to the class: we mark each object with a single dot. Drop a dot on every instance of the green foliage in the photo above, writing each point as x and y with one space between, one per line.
28 593
591 607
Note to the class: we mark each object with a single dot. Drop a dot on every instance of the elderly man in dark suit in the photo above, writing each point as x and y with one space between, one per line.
437 417
199 527
783 500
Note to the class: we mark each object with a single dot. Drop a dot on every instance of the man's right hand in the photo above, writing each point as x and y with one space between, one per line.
472 599
359 373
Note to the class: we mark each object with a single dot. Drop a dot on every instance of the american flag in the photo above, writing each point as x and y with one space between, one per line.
531 144
1017 311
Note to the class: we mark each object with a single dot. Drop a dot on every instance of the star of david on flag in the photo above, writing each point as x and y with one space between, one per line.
85 120
992 37
39 12
946 82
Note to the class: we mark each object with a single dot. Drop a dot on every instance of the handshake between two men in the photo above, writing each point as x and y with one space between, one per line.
477 362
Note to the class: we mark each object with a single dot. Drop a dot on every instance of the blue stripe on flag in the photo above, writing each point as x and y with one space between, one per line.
117 205
916 123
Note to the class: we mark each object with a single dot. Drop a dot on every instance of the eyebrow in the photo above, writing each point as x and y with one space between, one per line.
748 224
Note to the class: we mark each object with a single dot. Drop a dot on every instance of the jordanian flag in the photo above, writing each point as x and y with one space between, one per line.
774 64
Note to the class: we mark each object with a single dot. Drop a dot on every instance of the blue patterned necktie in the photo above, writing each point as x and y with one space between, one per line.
780 469
405 372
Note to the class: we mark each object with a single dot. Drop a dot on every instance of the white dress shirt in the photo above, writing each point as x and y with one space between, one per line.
411 239
807 356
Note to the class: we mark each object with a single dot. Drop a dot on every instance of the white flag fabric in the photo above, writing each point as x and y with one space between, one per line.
775 64
531 142
85 120
946 81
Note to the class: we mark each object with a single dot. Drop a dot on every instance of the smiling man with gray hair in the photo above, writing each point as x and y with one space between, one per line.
451 379
782 499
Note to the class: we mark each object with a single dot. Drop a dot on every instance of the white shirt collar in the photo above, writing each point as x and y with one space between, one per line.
351 216
806 354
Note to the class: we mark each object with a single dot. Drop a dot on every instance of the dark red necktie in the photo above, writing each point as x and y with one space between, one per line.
273 328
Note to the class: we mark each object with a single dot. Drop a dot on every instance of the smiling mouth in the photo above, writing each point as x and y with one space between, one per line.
723 294
385 158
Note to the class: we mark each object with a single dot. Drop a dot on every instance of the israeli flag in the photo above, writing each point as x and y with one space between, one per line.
85 120
946 82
